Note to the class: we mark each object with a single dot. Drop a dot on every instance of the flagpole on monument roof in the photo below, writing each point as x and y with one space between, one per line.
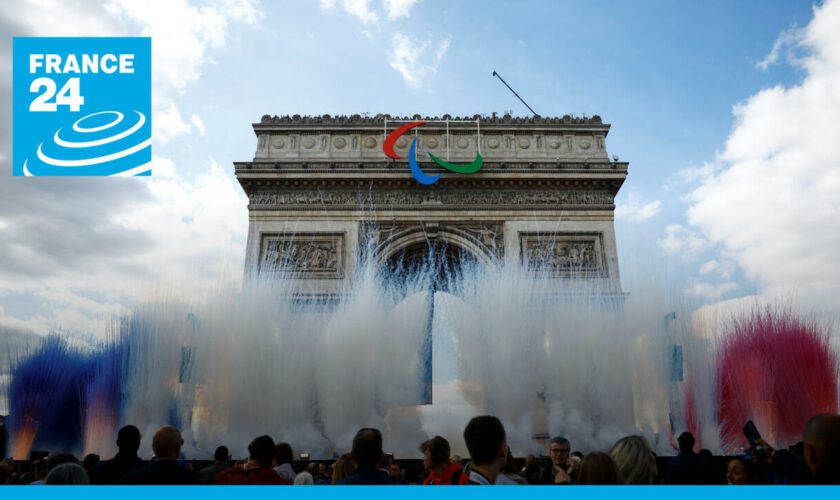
514 93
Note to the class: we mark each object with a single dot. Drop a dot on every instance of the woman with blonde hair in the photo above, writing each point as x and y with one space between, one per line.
635 460
599 468
342 468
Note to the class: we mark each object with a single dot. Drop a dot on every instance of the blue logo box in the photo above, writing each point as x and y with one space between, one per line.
82 106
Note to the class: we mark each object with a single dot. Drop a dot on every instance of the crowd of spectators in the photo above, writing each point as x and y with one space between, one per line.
815 460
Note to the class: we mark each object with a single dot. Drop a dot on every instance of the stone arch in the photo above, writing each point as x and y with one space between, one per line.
422 236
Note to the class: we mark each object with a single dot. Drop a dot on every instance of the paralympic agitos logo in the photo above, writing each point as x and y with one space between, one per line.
416 171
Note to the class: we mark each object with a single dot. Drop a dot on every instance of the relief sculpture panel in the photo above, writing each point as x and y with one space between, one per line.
563 254
305 255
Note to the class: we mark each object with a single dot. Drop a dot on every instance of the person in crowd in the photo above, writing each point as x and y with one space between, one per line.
635 460
599 468
396 472
67 473
436 460
457 460
819 461
165 469
221 461
307 475
323 476
90 461
822 449
742 471
531 467
510 475
342 468
257 469
284 457
367 453
690 468
6 473
125 461
39 472
487 443
57 459
563 469
385 463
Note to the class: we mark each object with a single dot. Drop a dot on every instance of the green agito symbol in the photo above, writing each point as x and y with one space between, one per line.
422 177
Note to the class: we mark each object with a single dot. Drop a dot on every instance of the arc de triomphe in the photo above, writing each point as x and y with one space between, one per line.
321 191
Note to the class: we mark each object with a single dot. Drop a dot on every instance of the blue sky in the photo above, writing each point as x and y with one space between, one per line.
668 76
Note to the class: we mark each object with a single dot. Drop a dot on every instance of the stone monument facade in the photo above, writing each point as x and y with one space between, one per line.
322 193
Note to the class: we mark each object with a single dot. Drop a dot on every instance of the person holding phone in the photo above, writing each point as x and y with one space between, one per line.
563 469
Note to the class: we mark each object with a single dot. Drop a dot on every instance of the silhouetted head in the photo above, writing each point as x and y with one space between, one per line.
486 440
128 440
822 441
262 450
222 454
283 453
686 442
167 443
367 447
90 461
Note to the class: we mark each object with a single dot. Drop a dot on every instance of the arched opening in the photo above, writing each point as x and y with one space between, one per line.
437 263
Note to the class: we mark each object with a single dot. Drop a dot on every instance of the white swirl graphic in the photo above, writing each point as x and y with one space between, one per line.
107 140
79 128
52 163
91 161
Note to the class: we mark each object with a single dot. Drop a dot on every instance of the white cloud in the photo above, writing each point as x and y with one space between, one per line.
634 209
788 41
245 11
710 290
773 206
709 266
415 60
197 225
360 9
398 8
194 232
168 123
57 18
691 174
198 123
681 240
102 244
182 34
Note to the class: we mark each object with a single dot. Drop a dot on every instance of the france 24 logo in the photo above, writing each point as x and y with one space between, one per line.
82 106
